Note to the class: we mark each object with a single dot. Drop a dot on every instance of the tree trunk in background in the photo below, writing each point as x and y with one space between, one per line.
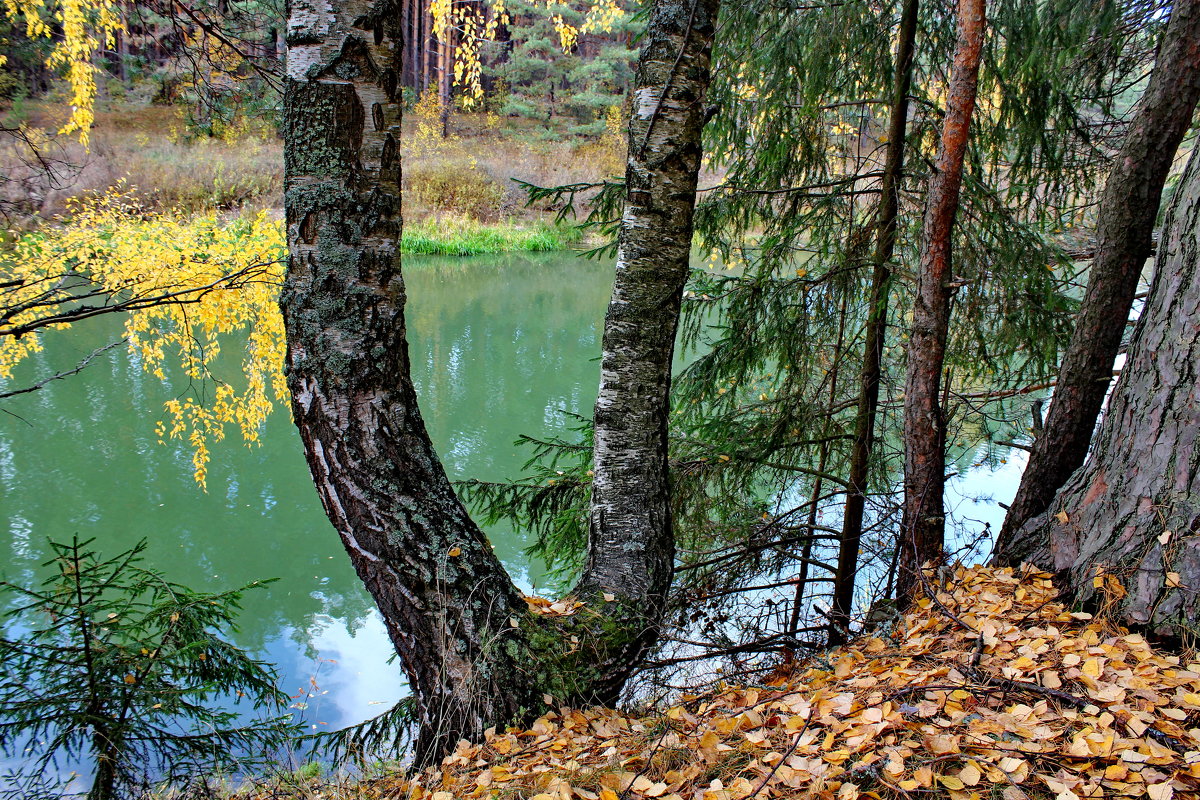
1134 509
868 393
923 529
1128 210
444 77
631 548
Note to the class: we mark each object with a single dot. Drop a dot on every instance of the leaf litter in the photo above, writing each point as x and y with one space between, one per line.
988 688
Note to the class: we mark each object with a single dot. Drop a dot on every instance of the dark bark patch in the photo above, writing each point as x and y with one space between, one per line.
323 129
353 63
308 228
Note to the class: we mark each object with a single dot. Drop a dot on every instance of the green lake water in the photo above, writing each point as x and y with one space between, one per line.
500 345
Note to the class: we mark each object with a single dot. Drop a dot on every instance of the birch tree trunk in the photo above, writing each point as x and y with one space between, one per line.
631 546
1133 510
1128 210
474 655
444 597
923 529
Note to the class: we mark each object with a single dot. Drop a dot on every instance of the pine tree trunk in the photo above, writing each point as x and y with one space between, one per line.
872 366
631 549
1133 510
108 754
1128 210
923 529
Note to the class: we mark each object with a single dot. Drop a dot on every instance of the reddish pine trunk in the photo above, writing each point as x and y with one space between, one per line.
1128 210
923 529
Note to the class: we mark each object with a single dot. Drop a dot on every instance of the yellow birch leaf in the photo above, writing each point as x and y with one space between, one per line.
1160 791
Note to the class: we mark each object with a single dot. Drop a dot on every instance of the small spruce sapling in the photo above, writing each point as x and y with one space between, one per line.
108 661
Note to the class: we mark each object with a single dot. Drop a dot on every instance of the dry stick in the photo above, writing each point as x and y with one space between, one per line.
649 758
812 713
60 375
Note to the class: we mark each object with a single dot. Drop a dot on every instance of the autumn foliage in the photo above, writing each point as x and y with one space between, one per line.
184 283
988 687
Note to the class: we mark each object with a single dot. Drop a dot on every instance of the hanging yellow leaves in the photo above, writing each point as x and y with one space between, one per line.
186 284
77 29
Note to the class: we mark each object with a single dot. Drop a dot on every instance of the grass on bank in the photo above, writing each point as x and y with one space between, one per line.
457 236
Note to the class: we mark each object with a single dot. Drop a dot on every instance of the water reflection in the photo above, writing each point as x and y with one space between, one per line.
499 345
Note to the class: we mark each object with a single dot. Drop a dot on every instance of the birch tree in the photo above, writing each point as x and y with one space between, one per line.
474 654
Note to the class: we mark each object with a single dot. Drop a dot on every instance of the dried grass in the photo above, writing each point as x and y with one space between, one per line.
471 174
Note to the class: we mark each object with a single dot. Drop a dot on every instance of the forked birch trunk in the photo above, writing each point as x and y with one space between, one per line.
474 655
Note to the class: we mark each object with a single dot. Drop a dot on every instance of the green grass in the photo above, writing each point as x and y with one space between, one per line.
465 237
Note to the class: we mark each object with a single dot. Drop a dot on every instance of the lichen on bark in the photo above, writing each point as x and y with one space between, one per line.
473 653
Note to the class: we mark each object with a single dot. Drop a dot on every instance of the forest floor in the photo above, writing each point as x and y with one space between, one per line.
991 688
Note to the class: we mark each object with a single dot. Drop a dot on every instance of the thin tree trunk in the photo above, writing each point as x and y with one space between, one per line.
1128 210
1133 510
923 529
122 43
445 68
631 547
431 46
802 579
814 507
872 367
104 785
